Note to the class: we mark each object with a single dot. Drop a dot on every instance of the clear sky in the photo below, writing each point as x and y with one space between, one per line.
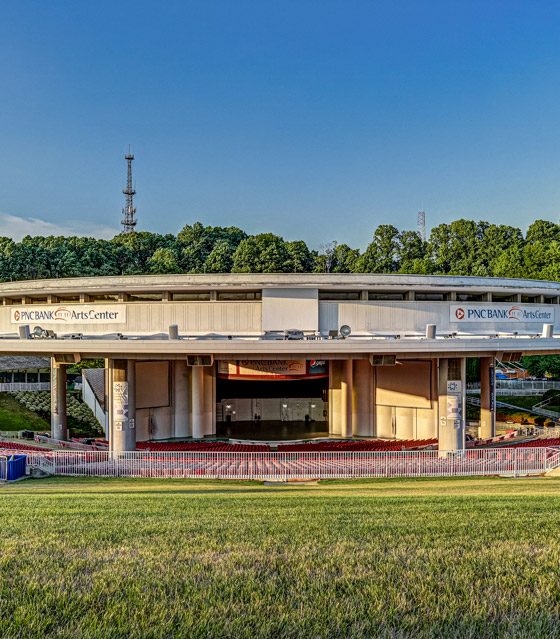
314 119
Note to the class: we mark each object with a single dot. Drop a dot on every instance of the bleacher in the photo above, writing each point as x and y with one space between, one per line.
309 447
359 445
202 447
17 445
537 443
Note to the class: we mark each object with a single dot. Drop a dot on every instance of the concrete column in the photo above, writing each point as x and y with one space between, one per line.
131 430
335 376
59 429
487 398
197 402
121 436
362 399
209 400
180 399
346 391
451 403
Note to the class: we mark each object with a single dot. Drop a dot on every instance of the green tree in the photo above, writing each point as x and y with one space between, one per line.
300 259
539 365
220 258
162 261
382 253
197 241
263 253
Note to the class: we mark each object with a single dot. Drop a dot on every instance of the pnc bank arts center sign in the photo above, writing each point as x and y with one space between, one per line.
492 313
79 314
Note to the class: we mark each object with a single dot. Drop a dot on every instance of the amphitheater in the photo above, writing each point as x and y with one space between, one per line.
377 360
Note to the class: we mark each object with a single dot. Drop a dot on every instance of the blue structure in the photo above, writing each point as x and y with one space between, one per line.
12 467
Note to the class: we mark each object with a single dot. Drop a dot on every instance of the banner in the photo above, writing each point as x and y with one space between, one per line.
272 369
71 314
467 313
120 402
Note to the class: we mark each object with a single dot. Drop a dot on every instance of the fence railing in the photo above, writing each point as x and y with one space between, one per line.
297 465
517 387
10 387
72 445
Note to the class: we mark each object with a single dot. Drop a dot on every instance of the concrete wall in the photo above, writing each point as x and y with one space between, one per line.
400 317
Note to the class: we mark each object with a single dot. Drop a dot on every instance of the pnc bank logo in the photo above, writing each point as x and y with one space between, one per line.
460 313
515 313
17 316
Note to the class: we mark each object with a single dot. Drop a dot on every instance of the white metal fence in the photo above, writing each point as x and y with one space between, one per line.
297 465
10 387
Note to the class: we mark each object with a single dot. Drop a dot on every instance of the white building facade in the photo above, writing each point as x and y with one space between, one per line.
195 355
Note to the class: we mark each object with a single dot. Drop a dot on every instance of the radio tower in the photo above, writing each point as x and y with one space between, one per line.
422 225
129 212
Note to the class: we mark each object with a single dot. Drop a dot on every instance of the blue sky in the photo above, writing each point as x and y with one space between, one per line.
312 119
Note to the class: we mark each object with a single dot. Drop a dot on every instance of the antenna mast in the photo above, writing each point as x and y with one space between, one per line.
129 212
422 225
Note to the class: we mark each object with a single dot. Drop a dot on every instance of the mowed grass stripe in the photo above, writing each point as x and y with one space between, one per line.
379 558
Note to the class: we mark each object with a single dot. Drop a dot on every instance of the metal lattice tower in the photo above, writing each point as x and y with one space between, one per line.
129 212
422 225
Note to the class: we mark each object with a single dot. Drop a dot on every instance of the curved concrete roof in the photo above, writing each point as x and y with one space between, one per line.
147 283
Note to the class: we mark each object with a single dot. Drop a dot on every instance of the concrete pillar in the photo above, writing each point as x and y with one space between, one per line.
131 430
209 400
335 376
363 399
180 399
346 391
197 407
122 433
451 403
59 429
487 398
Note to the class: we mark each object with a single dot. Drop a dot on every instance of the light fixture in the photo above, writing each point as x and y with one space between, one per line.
345 330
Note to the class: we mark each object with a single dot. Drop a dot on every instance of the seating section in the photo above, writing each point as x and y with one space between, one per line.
202 447
4 445
359 445
537 443
309 447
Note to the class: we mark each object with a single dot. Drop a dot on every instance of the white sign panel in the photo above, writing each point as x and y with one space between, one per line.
468 313
71 314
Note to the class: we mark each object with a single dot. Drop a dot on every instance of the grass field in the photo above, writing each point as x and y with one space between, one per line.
14 416
381 558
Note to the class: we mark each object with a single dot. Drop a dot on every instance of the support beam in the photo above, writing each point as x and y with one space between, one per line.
180 399
335 376
197 402
59 429
346 391
451 403
487 398
122 437
209 400
130 436
363 399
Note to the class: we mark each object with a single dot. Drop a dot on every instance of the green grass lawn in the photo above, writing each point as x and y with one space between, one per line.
379 558
521 401
15 416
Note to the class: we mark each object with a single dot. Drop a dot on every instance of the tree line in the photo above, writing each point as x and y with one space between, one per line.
462 247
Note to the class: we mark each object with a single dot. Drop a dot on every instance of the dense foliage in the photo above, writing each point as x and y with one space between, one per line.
462 247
